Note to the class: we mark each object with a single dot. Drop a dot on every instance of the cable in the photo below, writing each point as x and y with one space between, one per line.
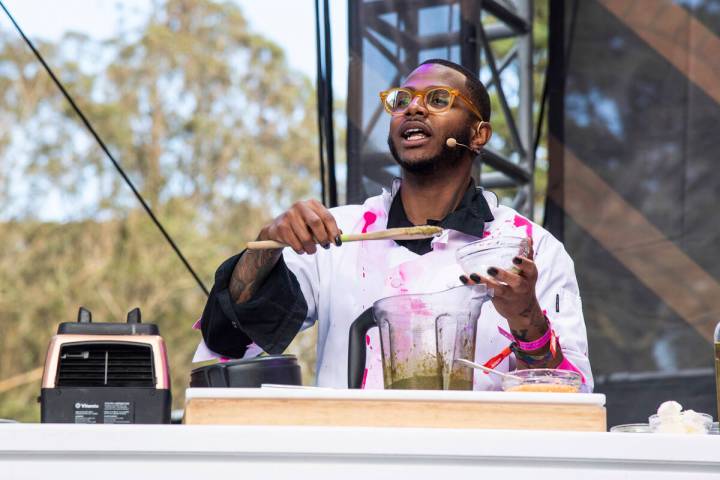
541 117
325 104
320 101
107 152
543 101
329 127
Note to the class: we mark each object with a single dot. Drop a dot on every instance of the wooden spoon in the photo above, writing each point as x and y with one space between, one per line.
404 233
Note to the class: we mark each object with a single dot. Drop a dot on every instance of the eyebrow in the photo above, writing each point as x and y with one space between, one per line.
426 88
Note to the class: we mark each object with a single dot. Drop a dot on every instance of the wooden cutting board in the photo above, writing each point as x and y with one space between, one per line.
395 408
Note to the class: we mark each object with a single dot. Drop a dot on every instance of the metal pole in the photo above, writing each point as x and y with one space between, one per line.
525 113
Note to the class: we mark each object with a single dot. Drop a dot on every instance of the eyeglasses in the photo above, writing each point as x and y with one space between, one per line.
436 99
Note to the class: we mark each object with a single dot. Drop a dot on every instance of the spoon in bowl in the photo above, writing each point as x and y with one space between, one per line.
470 364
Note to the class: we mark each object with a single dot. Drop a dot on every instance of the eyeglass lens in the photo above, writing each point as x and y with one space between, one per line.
437 100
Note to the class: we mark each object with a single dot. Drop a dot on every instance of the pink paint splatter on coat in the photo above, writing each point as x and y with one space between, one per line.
524 222
369 218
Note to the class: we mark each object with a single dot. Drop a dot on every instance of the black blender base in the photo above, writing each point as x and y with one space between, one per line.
105 405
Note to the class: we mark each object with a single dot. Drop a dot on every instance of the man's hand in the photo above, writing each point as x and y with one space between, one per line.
303 226
514 296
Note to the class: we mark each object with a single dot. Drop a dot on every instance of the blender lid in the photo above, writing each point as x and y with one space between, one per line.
249 372
85 325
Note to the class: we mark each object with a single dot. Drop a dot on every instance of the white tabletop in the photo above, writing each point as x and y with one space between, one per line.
35 451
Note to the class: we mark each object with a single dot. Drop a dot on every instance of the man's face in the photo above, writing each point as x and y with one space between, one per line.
417 137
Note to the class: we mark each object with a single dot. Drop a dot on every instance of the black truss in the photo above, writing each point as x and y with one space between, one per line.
392 29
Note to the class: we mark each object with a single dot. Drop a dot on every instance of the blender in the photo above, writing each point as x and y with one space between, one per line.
421 336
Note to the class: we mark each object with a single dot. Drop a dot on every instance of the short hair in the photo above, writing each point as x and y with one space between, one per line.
476 89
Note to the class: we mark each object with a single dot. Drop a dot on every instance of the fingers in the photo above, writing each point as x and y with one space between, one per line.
282 232
303 226
324 227
474 279
505 277
300 223
525 267
503 280
531 250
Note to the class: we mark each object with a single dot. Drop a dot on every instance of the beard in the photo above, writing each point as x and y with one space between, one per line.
447 158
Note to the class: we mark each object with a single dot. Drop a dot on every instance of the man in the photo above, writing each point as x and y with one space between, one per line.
267 296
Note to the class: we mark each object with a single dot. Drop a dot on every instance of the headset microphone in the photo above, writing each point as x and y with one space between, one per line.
452 143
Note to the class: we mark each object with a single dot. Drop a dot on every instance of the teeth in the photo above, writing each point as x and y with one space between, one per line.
414 134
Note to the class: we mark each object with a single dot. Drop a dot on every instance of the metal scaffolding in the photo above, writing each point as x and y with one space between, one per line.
388 38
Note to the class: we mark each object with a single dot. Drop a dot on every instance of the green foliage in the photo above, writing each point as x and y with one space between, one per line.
500 126
212 126
210 123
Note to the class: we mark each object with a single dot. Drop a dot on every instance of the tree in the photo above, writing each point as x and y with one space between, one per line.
210 123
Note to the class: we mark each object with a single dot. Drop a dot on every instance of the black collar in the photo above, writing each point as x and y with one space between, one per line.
469 217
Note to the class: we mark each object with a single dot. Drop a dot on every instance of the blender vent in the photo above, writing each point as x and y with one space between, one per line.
106 365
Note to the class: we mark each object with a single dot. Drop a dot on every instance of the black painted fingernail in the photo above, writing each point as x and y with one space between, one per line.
517 260
326 246
463 279
338 240
474 277
492 271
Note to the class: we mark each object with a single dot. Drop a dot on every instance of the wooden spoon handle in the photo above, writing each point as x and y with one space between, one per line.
405 233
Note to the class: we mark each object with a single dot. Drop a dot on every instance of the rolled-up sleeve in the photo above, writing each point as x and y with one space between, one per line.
271 318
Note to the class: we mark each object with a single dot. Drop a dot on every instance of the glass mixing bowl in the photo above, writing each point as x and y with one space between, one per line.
631 428
478 256
700 423
543 380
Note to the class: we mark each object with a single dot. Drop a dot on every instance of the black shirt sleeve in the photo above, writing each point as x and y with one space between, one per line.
271 318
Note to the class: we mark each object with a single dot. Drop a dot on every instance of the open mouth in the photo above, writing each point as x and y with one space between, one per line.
414 133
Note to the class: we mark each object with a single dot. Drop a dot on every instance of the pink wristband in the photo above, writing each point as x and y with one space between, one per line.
529 346
567 365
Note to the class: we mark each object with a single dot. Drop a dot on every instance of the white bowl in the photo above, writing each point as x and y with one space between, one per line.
701 425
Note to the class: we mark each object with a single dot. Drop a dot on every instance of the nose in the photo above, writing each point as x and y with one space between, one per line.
417 106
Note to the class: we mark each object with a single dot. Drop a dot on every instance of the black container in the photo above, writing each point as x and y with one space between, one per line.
249 372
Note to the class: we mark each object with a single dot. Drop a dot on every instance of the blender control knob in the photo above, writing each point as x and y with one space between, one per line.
133 315
84 315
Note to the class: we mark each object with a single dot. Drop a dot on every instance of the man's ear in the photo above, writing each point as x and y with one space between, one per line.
481 136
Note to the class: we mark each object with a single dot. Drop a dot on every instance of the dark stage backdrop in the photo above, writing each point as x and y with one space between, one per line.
635 191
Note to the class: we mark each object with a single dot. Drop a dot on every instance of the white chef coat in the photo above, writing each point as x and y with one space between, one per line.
340 283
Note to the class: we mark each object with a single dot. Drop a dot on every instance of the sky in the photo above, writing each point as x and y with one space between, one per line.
293 30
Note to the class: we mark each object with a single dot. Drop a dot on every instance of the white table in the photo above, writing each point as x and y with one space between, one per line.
56 451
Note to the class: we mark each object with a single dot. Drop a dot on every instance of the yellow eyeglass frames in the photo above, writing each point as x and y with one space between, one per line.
436 99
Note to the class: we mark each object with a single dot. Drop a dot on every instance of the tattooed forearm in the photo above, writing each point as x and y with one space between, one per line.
530 324
521 334
529 309
250 272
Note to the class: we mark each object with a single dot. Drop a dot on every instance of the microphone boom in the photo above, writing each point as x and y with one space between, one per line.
452 143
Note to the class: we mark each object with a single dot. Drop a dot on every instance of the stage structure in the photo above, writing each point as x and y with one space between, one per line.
388 38
633 191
